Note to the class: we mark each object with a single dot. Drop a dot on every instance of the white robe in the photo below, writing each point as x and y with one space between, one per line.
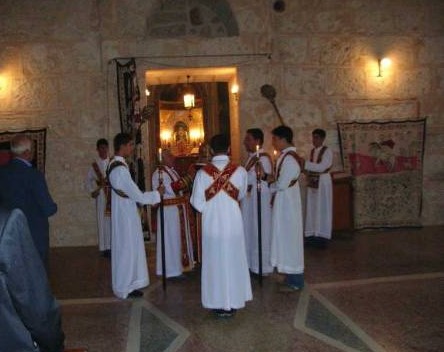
319 219
287 246
103 222
249 215
225 277
129 267
172 231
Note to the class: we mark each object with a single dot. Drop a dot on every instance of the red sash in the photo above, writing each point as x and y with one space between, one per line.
181 203
102 182
279 167
221 181
292 154
178 183
313 177
255 159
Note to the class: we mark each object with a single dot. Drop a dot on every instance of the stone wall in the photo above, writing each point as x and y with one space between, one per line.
55 72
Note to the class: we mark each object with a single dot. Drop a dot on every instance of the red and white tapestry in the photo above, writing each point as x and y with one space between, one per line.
386 161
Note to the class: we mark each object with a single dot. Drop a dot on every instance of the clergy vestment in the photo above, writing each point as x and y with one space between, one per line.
128 261
318 220
250 214
178 244
225 277
96 182
287 246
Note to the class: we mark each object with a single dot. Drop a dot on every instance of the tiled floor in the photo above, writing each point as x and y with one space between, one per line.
374 291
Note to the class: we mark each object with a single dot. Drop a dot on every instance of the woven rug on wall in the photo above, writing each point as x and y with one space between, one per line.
38 138
386 161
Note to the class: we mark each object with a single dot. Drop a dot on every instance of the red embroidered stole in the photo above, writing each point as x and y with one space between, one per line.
102 182
181 204
178 183
320 155
221 181
313 177
174 177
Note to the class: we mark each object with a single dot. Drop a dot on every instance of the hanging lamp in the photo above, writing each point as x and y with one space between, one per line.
188 96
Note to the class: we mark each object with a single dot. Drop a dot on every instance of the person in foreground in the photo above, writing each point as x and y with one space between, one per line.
287 246
29 314
25 188
217 188
128 260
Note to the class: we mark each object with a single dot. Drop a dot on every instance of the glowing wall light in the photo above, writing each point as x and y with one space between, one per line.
235 91
382 65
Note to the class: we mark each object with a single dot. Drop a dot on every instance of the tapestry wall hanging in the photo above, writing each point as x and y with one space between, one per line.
385 159
38 138
128 95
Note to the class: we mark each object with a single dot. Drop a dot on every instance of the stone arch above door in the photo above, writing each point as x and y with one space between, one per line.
202 18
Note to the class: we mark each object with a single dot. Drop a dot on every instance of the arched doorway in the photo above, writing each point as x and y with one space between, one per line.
182 130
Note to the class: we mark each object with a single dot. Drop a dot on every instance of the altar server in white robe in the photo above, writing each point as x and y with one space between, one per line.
97 185
318 220
178 244
217 188
287 247
253 141
129 267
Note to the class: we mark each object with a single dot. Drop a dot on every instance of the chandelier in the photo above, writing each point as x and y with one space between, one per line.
188 96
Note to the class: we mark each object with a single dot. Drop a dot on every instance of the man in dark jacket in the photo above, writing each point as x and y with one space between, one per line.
24 187
29 314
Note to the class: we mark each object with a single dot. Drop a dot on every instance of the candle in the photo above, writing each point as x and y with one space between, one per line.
160 155
275 153
257 150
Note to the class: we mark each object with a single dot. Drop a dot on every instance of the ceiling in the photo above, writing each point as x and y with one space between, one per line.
179 75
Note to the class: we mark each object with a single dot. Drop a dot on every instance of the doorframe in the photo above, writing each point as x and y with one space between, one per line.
156 76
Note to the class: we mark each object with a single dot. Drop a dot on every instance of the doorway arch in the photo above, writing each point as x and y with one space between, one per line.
205 81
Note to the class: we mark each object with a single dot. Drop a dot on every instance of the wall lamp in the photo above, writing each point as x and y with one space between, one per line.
383 64
2 82
235 91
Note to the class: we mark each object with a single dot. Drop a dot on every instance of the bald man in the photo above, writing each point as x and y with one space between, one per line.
24 187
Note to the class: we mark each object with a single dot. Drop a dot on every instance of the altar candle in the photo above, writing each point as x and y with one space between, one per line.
160 155
257 150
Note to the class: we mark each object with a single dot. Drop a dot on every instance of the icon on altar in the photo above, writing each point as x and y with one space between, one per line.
181 133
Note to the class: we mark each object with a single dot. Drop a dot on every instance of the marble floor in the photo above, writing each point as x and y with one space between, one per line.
372 291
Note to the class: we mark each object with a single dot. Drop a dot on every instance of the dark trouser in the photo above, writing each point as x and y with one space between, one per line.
316 241
295 280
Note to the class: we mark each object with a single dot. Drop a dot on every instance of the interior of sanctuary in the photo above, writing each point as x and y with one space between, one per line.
174 73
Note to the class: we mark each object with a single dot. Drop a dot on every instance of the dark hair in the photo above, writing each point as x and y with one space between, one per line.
257 134
101 141
283 132
321 133
220 143
121 139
